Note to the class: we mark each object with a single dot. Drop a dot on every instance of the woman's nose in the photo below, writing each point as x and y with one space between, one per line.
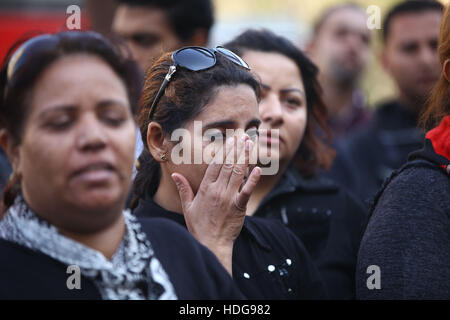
90 134
271 109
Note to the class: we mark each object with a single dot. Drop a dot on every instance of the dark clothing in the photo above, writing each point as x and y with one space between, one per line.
354 118
408 235
368 157
194 271
269 262
5 169
328 220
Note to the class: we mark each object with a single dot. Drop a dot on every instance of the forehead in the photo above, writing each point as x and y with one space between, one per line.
132 19
415 26
350 18
76 79
236 103
274 69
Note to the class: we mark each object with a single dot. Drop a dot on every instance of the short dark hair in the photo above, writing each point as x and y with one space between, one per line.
185 16
314 152
330 11
409 6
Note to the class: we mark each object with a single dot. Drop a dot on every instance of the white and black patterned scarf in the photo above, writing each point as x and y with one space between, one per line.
132 273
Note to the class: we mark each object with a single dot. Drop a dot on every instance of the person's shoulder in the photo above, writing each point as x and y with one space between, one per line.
410 220
413 187
28 274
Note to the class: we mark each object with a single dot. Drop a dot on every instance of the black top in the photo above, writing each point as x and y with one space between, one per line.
408 235
370 155
327 219
194 271
269 261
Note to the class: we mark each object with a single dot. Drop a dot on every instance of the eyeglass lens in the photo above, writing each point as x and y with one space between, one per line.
195 59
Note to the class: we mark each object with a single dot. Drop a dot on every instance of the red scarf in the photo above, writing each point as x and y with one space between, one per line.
440 139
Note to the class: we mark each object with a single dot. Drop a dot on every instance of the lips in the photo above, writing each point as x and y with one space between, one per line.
270 137
98 171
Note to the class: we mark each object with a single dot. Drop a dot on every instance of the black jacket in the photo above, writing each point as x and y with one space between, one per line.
370 155
269 261
327 219
194 271
408 235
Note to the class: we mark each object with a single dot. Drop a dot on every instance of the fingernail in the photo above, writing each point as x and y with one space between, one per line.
175 179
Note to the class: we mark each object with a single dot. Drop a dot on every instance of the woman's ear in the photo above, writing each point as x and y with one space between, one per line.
446 70
11 149
156 142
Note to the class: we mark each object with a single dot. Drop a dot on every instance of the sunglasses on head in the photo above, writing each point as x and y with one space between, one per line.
194 59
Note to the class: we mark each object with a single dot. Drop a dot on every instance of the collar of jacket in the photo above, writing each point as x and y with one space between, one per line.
292 180
437 146
147 208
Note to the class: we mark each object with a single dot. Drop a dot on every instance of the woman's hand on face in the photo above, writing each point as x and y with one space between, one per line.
215 215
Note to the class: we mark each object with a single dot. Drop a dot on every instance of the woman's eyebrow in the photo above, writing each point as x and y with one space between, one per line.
293 90
72 108
287 90
111 102
58 108
224 123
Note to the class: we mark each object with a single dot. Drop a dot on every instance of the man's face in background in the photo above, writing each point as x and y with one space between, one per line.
341 47
146 31
410 54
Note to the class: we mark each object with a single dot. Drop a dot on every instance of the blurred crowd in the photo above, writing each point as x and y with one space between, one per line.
358 207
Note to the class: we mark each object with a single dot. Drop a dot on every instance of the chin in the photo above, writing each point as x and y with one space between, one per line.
100 200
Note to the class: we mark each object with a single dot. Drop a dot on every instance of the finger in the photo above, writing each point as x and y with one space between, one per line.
240 168
242 197
227 166
212 172
184 190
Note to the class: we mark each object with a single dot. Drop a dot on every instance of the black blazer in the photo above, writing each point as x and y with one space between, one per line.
194 271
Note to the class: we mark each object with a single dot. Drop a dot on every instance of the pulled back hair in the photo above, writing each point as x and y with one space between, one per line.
314 152
439 103
28 60
186 95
